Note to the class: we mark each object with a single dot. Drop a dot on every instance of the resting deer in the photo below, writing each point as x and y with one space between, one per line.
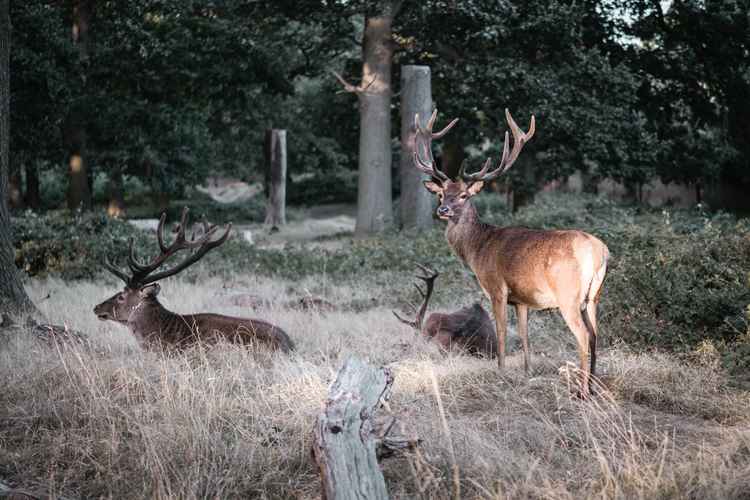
469 328
529 268
138 308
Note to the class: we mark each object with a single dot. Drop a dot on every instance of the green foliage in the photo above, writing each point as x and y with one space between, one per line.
318 188
72 246
675 279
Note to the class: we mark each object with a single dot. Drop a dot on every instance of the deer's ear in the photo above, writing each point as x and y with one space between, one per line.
433 187
475 187
151 290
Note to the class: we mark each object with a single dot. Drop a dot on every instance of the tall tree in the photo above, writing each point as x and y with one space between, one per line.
79 194
13 298
374 206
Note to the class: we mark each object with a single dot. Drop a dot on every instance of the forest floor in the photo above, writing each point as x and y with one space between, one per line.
110 420
114 421
320 226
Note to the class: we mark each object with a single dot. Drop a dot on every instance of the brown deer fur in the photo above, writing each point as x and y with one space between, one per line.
469 328
155 326
528 268
138 308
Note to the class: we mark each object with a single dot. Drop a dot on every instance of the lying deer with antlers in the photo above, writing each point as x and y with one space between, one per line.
469 328
138 308
528 268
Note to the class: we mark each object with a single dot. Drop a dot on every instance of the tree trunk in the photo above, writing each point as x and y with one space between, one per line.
116 204
79 194
33 193
344 449
452 156
275 174
374 210
13 298
416 97
15 194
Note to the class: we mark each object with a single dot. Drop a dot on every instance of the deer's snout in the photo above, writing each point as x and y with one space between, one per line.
101 312
444 212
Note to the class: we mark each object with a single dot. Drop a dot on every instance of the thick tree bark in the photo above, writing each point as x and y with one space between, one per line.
374 204
33 193
344 449
416 98
13 298
275 170
79 194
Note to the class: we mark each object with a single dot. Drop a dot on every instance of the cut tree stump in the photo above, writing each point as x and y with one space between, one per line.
275 153
350 434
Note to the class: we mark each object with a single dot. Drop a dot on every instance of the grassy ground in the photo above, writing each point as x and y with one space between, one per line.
113 421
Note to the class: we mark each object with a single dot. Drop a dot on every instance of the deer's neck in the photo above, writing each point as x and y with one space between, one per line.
467 234
150 321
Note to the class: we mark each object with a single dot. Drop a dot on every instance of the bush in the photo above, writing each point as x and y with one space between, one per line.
70 245
676 278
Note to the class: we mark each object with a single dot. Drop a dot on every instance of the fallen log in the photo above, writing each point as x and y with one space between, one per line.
349 436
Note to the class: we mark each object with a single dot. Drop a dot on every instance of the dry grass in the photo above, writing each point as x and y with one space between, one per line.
115 421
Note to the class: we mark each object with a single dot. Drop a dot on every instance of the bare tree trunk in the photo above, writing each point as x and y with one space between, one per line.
13 298
79 194
116 204
416 98
33 194
374 204
343 447
275 170
15 194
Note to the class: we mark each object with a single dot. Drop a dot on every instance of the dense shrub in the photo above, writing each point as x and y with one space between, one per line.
676 278
70 245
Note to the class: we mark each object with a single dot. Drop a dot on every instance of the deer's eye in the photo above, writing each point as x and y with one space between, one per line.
463 196
120 298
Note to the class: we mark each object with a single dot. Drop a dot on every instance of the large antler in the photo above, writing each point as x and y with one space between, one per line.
429 280
142 273
423 145
519 139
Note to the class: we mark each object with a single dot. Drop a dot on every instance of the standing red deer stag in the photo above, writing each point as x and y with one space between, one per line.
138 308
469 328
529 268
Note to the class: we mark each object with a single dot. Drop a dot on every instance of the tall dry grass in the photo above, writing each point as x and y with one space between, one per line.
114 421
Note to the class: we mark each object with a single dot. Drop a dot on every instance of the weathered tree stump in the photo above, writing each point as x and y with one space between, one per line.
275 152
348 433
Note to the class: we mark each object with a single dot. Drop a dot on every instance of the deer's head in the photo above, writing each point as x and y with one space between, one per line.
121 305
454 195
141 287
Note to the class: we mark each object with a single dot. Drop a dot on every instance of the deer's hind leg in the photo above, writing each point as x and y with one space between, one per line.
500 311
522 317
573 317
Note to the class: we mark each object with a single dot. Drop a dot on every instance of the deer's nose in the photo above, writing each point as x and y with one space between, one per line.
443 210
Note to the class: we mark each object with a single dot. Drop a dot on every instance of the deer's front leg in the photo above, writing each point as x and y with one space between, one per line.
500 310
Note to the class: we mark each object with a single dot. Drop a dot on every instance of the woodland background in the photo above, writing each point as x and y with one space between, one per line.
117 110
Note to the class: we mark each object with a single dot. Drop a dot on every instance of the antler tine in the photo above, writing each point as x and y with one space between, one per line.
438 135
203 244
160 232
431 273
423 140
124 277
519 140
141 273
419 289
133 263
412 324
